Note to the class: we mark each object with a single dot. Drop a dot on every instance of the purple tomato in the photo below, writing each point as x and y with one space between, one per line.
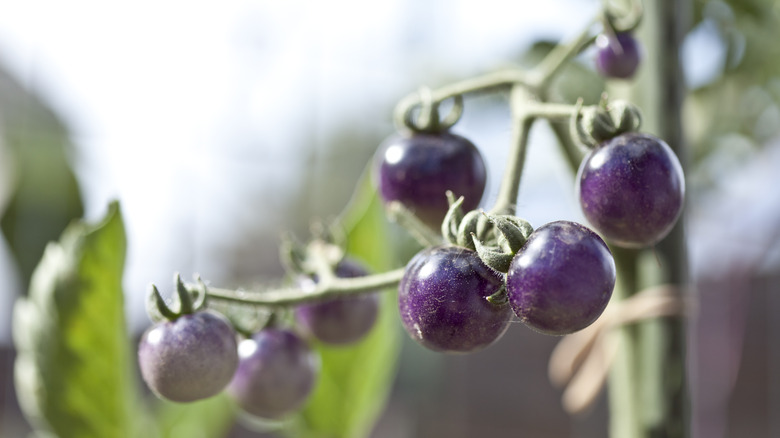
190 358
562 278
275 375
443 301
631 189
418 169
341 320
618 57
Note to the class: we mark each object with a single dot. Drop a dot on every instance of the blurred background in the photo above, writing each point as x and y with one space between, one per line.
219 125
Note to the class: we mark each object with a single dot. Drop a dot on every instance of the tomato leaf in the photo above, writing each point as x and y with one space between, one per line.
202 419
355 381
72 371
43 196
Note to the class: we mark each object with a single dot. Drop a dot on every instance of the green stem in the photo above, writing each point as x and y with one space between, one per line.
422 233
624 399
293 296
550 111
322 257
520 98
541 76
650 372
663 341
525 110
537 80
490 81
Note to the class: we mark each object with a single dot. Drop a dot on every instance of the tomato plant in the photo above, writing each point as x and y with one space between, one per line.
475 268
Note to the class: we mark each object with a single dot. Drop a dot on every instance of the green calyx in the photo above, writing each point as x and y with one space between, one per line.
509 235
594 125
426 117
625 19
499 298
495 237
457 226
319 257
185 302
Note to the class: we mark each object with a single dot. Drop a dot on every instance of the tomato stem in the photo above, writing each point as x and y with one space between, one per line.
541 76
510 184
322 290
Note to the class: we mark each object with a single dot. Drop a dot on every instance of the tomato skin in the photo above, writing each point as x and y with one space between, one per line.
188 359
632 189
418 169
618 56
443 301
275 375
562 279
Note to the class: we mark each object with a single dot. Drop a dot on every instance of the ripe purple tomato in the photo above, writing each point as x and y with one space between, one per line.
275 375
631 189
443 301
562 279
191 358
618 57
342 320
417 170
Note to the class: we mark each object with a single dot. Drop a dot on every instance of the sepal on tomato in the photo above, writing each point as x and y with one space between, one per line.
594 125
186 301
509 235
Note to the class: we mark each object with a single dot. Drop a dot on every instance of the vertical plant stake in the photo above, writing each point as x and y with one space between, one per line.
477 269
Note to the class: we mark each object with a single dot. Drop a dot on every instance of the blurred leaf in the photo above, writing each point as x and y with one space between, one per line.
742 101
355 381
203 419
751 8
72 370
44 194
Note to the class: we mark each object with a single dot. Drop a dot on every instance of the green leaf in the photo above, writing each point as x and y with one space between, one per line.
202 419
72 371
355 381
44 195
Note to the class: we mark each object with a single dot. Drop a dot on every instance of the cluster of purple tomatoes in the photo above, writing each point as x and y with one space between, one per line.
631 191
270 374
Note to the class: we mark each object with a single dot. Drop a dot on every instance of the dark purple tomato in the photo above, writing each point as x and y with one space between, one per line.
631 189
418 169
618 57
443 301
275 375
562 279
191 358
342 320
